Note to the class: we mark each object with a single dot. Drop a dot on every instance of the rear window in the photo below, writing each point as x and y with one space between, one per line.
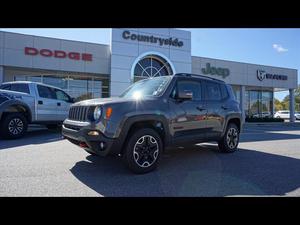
213 91
20 88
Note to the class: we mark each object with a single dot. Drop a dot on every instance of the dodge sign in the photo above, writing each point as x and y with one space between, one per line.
58 54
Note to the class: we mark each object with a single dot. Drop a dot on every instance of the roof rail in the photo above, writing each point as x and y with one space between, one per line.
197 75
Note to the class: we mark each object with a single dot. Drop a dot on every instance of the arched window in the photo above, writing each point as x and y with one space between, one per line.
151 66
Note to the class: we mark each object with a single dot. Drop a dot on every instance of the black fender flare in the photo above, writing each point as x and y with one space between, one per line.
234 116
127 123
14 102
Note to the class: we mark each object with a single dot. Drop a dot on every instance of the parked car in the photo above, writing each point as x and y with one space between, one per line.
297 115
24 102
262 115
154 114
284 114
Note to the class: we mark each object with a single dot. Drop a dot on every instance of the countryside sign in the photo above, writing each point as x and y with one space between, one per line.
261 75
210 70
127 35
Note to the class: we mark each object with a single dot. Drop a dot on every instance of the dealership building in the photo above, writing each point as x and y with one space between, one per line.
89 70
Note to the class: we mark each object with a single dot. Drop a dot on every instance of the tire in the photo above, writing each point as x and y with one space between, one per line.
143 151
13 125
230 140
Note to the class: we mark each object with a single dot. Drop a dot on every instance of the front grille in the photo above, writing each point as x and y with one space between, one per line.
79 113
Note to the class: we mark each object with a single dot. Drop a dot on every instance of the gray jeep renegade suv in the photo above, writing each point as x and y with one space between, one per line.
153 114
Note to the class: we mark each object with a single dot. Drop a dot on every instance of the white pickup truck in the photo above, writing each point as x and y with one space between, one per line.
24 102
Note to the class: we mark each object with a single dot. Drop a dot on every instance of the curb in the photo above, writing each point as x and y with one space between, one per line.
286 124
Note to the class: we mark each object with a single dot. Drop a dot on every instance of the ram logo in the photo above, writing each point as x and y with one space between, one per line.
261 74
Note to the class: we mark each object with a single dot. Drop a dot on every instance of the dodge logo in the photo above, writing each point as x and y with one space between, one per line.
261 74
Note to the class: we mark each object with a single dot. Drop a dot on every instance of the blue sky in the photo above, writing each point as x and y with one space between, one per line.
276 47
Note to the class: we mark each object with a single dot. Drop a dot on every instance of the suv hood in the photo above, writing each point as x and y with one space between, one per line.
103 101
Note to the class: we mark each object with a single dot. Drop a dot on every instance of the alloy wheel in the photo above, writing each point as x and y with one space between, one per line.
232 138
145 151
15 126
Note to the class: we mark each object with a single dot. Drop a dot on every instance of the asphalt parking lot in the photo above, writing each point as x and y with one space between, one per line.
266 164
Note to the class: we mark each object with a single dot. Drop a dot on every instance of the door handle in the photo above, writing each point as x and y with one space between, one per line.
224 107
40 102
58 104
200 108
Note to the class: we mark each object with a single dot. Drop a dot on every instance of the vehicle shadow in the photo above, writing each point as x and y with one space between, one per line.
36 136
196 171
269 133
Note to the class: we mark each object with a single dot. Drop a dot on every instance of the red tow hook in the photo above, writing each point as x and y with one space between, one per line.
83 145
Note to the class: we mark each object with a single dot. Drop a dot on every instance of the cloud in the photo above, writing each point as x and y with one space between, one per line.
279 48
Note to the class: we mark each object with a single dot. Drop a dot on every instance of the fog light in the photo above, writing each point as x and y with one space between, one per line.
83 145
93 133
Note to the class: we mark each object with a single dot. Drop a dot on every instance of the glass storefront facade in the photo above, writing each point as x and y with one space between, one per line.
78 87
258 102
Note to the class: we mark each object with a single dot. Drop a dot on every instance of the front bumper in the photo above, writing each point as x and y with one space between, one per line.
77 133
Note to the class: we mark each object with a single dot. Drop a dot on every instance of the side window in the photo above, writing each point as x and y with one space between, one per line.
60 95
213 92
46 92
5 87
20 88
186 85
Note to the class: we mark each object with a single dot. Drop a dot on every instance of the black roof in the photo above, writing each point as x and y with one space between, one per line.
197 76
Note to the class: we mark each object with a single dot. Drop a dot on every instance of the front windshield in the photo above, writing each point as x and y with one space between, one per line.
147 87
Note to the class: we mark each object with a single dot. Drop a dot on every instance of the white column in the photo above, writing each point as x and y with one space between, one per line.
1 74
242 101
273 112
292 105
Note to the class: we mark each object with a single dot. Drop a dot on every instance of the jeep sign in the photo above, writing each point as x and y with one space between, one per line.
58 54
224 72
127 35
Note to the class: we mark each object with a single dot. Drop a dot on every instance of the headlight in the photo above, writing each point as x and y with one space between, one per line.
97 113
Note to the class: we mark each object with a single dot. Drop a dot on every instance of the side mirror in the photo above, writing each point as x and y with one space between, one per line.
72 100
185 95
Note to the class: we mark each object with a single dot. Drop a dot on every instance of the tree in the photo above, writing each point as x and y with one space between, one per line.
285 102
297 99
278 105
297 91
